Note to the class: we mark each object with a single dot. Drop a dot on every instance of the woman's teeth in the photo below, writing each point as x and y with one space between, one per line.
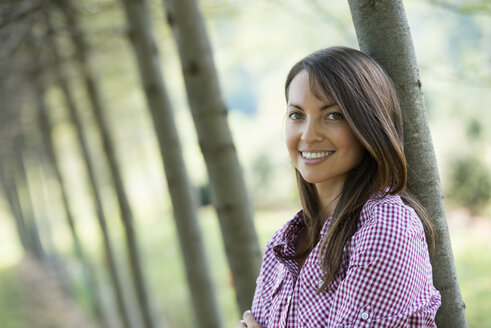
309 155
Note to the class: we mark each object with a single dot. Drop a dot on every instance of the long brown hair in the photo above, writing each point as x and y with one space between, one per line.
368 100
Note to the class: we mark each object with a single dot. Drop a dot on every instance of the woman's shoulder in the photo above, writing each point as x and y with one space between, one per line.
388 229
388 212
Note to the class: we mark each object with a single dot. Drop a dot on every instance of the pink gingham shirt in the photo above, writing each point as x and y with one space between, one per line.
385 278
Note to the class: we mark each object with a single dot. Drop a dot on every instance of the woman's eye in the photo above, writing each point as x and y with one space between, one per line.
335 116
295 116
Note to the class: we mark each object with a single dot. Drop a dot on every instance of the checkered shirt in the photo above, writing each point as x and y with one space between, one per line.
385 278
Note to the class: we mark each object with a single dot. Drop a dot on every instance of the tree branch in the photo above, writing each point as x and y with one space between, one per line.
479 7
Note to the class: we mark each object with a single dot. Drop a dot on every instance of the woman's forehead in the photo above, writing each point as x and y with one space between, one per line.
303 79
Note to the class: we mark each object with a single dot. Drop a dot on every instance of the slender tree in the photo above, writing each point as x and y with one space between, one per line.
82 51
210 118
8 128
182 196
24 195
74 116
383 33
6 170
10 192
45 128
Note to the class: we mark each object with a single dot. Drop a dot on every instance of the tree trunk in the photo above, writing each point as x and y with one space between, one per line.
53 163
11 194
89 163
184 205
82 51
210 118
22 184
9 127
383 33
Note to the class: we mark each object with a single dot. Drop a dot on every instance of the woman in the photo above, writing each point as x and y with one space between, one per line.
356 254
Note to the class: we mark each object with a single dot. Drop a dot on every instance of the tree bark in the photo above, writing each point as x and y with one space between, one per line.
95 98
383 33
210 118
182 196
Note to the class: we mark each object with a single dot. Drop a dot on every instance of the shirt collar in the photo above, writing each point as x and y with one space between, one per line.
284 244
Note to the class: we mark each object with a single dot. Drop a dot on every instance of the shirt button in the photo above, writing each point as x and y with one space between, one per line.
319 283
364 315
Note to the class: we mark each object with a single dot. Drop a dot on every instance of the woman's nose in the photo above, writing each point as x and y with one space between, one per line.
312 132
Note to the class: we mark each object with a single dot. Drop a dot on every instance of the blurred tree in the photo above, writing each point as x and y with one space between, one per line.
45 127
10 191
182 194
383 33
9 127
209 112
10 194
89 163
82 51
24 195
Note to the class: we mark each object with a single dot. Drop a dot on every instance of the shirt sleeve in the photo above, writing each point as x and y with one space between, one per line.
388 282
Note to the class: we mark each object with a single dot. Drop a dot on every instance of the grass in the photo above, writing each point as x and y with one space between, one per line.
12 301
167 282
472 252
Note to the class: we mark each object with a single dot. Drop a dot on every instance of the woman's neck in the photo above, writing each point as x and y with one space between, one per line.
329 196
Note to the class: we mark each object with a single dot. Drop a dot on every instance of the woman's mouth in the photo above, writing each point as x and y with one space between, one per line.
315 155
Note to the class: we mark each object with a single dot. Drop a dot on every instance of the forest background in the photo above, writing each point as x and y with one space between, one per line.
254 44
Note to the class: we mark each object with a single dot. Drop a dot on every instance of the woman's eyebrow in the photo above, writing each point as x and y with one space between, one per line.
322 108
296 106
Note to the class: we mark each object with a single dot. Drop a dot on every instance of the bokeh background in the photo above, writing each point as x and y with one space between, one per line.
255 43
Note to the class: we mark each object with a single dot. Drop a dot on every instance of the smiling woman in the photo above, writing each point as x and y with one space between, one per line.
356 254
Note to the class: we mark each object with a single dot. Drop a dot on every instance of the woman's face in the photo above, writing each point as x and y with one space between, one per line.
320 142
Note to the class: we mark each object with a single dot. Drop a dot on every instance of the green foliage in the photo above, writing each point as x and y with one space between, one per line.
470 242
471 183
473 270
474 130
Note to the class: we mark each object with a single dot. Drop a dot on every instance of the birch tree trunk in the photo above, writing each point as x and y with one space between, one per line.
383 33
95 98
210 118
183 202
